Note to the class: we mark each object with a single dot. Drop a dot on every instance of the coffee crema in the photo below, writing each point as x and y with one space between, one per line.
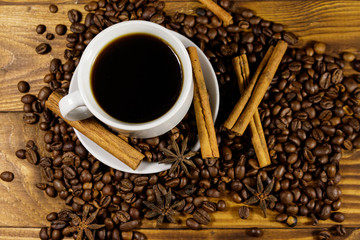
136 78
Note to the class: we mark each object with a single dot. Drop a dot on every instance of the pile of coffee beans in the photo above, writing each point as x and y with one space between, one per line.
309 114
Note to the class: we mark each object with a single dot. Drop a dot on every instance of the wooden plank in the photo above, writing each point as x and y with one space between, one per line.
21 202
28 206
334 22
165 234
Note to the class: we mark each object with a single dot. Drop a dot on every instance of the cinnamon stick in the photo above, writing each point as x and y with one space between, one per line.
204 119
218 11
242 71
92 129
260 88
257 118
240 105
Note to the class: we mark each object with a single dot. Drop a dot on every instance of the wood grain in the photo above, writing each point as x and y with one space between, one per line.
21 202
334 22
165 234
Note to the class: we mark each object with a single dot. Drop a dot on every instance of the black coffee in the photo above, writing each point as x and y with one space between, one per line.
136 78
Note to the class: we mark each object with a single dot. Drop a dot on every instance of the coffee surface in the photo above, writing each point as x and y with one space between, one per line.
136 78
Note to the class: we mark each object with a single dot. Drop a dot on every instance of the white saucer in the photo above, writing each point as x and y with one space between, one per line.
148 167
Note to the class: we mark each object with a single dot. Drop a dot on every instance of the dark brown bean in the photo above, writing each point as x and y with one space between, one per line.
60 29
338 217
7 176
40 29
192 224
53 8
244 212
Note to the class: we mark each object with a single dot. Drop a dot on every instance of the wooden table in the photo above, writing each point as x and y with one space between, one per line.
23 207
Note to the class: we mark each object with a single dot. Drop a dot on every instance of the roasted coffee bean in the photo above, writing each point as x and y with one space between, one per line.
291 221
333 192
43 48
198 201
69 173
282 217
148 12
7 176
40 29
319 47
356 65
53 8
255 232
192 224
325 80
44 93
324 235
290 38
325 212
77 28
23 86
210 207
338 217
58 224
50 191
201 216
50 36
31 156
221 205
21 153
28 99
123 216
128 226
286 197
244 212
60 29
340 230
74 16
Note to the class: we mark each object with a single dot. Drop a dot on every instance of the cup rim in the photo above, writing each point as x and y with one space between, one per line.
95 47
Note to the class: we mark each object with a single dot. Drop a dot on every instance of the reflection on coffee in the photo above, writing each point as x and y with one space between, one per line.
136 78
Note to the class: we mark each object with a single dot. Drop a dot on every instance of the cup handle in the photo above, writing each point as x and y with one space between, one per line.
73 108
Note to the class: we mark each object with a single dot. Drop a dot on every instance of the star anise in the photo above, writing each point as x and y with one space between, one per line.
178 159
261 195
85 224
162 209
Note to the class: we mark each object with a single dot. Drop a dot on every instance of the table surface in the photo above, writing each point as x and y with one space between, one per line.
23 207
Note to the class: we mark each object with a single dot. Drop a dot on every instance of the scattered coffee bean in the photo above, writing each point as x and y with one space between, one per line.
340 230
319 47
23 86
60 29
338 217
53 8
201 216
192 224
74 16
244 212
7 176
255 232
221 205
348 57
40 29
324 235
43 48
356 65
282 217
291 221
50 36
43 235
21 153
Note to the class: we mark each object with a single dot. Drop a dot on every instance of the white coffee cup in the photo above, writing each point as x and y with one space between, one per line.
81 104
